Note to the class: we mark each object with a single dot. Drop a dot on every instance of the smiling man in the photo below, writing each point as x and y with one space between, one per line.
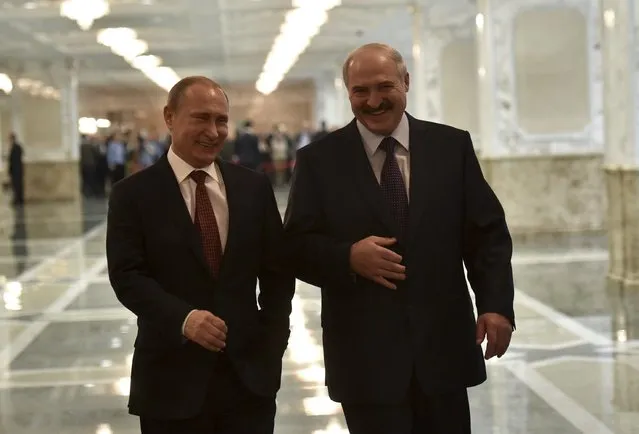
187 240
382 215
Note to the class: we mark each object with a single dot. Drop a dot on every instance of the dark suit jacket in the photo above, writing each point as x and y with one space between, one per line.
158 271
375 338
247 150
16 166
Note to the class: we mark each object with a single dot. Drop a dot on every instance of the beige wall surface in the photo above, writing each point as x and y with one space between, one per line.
291 104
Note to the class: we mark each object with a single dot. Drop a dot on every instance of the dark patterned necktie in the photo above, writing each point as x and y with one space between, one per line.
206 223
393 187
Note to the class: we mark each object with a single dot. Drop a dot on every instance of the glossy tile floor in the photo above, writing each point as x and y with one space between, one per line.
65 343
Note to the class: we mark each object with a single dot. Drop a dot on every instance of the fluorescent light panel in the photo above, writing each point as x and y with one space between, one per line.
125 43
300 25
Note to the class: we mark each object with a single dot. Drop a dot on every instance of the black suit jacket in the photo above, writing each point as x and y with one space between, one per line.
375 338
158 271
247 149
16 166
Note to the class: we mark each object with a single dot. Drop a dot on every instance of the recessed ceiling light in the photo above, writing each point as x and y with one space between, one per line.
30 5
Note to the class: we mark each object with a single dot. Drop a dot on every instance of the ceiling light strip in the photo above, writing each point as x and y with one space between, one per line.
84 12
300 26
125 43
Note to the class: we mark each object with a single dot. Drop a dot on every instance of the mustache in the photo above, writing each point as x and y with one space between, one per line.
384 105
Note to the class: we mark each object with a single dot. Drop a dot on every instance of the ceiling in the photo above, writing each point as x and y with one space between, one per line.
224 39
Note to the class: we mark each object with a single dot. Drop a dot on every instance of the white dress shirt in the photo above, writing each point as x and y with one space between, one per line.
214 187
377 156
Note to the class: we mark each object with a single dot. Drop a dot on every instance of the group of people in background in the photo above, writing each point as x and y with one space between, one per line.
106 160
272 153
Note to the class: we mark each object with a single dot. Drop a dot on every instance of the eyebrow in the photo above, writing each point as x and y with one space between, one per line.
208 113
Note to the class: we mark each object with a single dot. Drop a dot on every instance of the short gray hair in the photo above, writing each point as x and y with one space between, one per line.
179 89
391 52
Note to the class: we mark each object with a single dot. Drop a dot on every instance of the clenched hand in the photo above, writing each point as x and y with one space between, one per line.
207 330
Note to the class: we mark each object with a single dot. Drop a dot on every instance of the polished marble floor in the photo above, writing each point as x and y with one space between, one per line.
65 342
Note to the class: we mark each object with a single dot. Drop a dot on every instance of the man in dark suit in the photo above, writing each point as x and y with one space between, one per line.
187 240
247 147
16 170
381 215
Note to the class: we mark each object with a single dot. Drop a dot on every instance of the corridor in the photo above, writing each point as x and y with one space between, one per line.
66 343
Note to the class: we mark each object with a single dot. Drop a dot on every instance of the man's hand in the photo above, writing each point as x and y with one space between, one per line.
206 329
371 259
498 330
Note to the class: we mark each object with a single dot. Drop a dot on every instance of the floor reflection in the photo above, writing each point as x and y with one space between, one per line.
20 249
624 301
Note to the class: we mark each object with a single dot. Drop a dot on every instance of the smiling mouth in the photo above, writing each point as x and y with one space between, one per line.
377 112
206 145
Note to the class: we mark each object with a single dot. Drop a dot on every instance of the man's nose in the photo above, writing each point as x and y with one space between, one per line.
374 99
212 131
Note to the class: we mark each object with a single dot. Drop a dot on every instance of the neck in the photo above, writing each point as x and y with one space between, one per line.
185 157
193 162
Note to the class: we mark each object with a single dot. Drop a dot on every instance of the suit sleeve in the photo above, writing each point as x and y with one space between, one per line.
318 259
276 279
129 274
487 243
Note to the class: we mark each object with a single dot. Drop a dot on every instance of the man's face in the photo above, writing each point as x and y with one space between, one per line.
377 91
199 124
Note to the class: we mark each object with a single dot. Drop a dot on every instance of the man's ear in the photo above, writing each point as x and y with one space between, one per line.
407 81
168 118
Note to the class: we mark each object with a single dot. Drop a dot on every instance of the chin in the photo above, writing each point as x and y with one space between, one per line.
206 156
383 128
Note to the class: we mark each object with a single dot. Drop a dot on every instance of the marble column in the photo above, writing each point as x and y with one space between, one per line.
69 114
418 73
495 82
619 23
53 174
327 104
17 106
343 114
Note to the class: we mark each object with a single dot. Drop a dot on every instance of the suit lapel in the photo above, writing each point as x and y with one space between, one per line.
423 167
176 209
231 186
364 176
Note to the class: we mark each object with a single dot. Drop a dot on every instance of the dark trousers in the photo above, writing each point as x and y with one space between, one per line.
17 185
418 414
230 408
89 181
118 173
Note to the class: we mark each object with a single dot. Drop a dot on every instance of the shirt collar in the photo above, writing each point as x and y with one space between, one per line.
182 169
372 140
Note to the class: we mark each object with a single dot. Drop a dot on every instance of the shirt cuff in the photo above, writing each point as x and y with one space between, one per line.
185 320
